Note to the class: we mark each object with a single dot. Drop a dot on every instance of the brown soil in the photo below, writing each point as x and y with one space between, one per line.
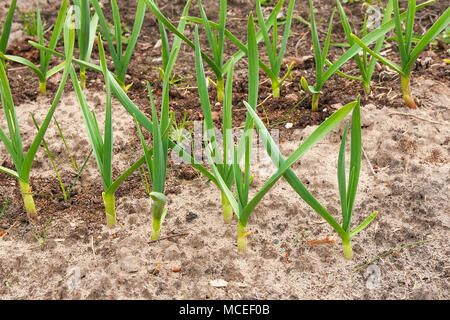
408 151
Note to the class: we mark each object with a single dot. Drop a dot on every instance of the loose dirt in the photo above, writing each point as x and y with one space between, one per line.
404 175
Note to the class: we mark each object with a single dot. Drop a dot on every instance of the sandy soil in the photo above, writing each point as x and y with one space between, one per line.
404 176
408 150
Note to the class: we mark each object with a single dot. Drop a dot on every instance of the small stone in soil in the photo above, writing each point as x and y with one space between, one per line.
191 216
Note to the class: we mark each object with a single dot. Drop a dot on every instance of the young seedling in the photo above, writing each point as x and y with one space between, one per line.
13 143
241 204
43 71
86 29
354 49
103 146
156 157
223 162
178 132
74 162
216 44
408 55
365 67
347 192
319 58
4 207
275 57
30 21
121 59
219 71
6 29
156 160
66 193
270 70
41 237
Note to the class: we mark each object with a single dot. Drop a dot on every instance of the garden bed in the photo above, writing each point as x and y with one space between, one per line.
404 176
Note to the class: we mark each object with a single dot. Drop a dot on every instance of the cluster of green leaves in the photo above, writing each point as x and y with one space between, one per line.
225 169
365 66
13 142
404 40
356 45
347 192
103 146
121 59
6 29
43 71
239 201
275 58
29 19
156 157
86 28
220 70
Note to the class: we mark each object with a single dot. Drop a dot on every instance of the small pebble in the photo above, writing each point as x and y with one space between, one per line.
157 60
191 216
219 283
158 44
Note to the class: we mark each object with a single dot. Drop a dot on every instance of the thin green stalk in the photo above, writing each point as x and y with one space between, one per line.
242 237
227 209
159 213
74 163
4 207
69 192
47 150
110 208
145 180
406 91
86 34
30 207
6 29
315 102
